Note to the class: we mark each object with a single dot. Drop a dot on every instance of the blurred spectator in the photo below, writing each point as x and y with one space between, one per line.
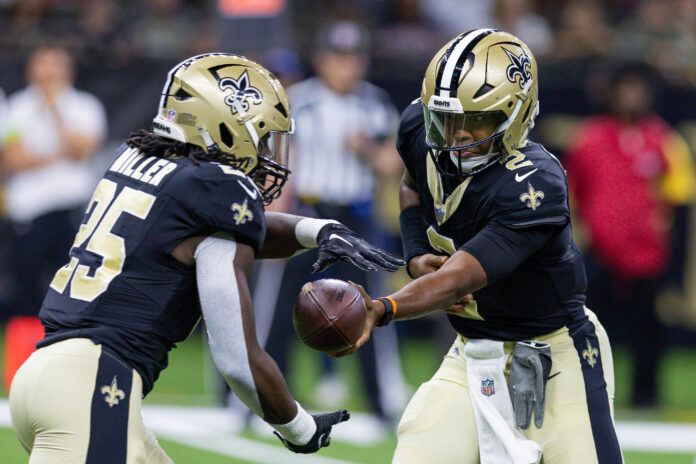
163 29
3 115
452 17
3 130
100 35
515 16
52 131
583 31
285 64
627 168
343 141
405 21
519 18
661 35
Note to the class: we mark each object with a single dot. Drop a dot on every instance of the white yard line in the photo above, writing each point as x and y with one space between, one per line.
214 429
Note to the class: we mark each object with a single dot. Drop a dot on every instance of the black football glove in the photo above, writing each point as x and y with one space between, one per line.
338 242
531 364
322 437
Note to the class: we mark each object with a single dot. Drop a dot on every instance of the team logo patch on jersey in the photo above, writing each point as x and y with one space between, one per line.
242 214
590 354
112 395
488 387
532 198
519 68
241 92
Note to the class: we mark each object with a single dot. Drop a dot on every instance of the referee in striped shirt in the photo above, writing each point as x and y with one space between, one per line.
344 141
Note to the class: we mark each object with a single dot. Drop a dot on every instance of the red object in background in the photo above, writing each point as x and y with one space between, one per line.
258 8
22 333
613 169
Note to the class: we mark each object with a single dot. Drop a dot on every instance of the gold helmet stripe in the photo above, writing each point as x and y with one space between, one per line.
454 58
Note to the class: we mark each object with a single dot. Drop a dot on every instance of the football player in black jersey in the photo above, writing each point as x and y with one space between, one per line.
487 238
169 236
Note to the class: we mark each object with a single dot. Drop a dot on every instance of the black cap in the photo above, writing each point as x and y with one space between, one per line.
343 37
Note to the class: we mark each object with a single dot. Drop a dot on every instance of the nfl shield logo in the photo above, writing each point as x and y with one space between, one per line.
439 214
488 387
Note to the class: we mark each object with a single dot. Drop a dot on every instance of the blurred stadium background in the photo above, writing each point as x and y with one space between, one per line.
123 50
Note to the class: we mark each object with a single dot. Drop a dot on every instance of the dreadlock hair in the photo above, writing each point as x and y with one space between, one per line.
162 147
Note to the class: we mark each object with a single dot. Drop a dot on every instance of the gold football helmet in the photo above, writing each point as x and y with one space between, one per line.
234 109
484 79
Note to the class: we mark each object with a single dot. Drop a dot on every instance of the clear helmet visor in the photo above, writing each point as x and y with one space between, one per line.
459 131
273 159
275 147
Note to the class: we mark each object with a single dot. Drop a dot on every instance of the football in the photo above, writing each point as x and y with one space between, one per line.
329 315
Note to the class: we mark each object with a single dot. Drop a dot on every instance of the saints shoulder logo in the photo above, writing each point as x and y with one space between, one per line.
532 198
519 68
112 395
242 214
241 92
590 354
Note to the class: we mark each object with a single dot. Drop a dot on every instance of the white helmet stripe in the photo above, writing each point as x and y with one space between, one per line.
170 77
451 62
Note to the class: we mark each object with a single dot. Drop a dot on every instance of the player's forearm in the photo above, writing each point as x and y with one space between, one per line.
221 269
280 239
458 277
285 235
277 403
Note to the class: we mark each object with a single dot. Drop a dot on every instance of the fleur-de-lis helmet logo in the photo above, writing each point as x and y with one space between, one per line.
520 67
241 92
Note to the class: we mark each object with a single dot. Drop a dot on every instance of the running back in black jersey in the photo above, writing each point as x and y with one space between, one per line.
121 286
526 190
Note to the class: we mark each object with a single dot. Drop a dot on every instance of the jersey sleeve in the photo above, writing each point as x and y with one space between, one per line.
225 200
500 249
408 126
540 199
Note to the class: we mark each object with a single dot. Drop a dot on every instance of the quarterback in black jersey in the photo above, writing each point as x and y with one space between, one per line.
487 238
168 237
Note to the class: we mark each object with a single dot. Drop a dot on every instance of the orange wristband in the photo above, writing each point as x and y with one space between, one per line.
389 310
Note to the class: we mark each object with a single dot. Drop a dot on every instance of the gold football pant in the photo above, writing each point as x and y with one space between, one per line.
439 425
73 402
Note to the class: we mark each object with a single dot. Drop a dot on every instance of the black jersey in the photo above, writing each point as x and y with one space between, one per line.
121 286
526 190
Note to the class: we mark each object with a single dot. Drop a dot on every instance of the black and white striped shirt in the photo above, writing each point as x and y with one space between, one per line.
323 166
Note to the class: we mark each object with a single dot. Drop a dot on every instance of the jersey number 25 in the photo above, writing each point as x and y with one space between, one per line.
101 241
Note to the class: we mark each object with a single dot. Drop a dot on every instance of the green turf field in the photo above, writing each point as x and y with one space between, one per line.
13 453
190 381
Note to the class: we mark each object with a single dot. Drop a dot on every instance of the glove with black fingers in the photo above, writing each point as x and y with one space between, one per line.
337 242
322 437
531 364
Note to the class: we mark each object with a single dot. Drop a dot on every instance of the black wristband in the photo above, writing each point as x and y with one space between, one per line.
389 311
414 235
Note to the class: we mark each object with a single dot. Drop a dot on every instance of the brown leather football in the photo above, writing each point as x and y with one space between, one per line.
329 315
